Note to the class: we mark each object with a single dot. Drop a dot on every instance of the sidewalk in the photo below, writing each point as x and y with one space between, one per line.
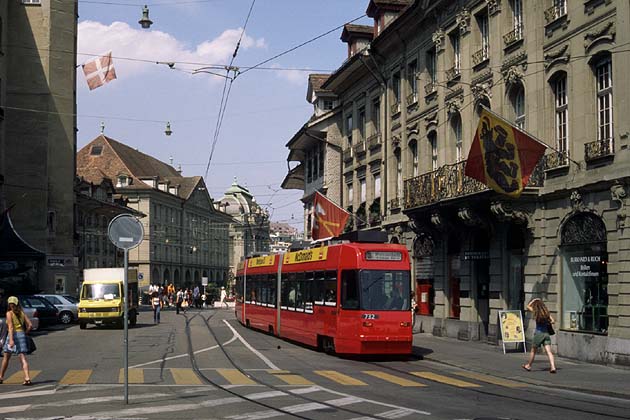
488 359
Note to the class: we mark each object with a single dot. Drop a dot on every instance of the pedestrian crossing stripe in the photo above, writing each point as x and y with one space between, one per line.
185 376
76 376
491 379
392 378
340 378
235 377
18 377
135 376
445 380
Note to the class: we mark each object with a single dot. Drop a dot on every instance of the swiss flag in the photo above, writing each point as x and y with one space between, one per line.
99 71
329 219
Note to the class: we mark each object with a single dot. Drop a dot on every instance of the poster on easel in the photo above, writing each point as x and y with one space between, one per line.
512 330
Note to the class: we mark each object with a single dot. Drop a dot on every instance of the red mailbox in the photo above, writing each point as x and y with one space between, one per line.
424 299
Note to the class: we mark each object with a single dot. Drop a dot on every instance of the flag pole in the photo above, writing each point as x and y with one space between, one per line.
341 208
533 137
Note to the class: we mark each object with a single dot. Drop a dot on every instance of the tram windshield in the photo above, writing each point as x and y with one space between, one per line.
377 290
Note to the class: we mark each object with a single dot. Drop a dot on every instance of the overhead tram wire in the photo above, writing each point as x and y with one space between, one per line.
225 96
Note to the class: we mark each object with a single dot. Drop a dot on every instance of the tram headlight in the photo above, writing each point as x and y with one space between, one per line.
367 324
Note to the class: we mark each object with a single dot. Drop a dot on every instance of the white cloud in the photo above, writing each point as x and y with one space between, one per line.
127 42
295 77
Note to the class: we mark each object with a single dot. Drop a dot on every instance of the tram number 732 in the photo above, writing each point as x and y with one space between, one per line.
349 298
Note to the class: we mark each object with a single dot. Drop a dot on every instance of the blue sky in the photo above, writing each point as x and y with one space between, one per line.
265 107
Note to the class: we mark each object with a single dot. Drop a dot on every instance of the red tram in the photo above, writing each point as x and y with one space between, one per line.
349 298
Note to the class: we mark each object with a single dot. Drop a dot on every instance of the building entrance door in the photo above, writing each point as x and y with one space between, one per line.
482 275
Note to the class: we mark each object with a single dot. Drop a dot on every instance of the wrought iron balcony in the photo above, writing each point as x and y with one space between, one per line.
395 108
347 155
555 13
412 98
555 160
430 88
453 73
480 56
374 140
448 182
358 148
513 36
394 203
598 149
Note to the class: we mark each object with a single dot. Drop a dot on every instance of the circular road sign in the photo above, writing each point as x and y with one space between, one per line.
125 231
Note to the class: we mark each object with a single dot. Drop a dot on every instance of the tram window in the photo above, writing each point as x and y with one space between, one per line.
299 295
239 289
271 296
307 294
284 295
349 290
291 294
263 290
319 288
330 294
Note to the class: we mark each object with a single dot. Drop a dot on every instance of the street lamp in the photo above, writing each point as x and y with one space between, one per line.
145 22
168 130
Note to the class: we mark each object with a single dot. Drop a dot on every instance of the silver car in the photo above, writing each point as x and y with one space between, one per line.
31 313
67 305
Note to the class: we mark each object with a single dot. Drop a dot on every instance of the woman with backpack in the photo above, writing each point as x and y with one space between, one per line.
16 342
542 335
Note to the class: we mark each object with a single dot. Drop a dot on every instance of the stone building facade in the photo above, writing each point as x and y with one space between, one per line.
37 108
186 238
552 68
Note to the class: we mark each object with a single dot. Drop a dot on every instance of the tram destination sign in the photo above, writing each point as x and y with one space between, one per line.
307 255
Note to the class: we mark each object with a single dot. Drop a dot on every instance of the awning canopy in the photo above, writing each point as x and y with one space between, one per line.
12 246
294 179
303 140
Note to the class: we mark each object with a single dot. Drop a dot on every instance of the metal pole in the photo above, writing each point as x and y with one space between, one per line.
125 327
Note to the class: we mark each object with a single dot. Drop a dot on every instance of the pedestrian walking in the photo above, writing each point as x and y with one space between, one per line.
542 335
196 297
19 325
179 298
156 304
224 297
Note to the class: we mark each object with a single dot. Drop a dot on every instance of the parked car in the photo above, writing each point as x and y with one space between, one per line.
67 305
46 311
31 313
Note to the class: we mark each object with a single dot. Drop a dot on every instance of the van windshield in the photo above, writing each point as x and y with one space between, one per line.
100 292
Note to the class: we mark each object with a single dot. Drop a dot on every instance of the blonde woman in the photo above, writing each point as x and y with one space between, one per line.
19 325
541 335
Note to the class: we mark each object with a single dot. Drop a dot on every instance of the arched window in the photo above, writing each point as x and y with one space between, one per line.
456 126
517 97
413 152
432 137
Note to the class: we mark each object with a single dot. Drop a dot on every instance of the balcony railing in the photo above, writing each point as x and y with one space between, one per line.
513 36
374 140
358 148
448 182
347 155
598 149
555 160
430 88
452 73
555 13
412 98
395 108
394 203
480 56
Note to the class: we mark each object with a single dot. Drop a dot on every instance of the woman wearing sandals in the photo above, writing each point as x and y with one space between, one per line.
19 325
541 335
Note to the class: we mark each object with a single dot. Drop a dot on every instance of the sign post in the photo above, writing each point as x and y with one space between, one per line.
512 330
126 232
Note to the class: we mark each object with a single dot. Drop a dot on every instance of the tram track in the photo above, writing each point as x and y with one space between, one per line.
517 398
209 381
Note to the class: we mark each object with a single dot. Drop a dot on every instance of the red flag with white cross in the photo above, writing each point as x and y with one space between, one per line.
99 71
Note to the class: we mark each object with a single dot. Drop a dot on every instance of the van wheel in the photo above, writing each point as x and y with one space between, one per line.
82 325
328 344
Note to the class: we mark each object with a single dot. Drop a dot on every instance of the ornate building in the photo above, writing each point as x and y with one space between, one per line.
249 230
553 69
186 238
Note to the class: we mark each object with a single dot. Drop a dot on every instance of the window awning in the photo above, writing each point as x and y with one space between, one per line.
294 179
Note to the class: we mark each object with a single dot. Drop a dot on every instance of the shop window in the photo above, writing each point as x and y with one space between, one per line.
584 274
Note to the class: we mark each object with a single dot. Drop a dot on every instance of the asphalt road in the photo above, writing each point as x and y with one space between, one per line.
205 365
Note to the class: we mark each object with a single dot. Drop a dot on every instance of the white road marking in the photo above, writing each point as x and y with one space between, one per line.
160 409
179 356
263 395
94 400
396 414
15 408
309 390
253 350
341 402
301 408
411 411
14 395
257 415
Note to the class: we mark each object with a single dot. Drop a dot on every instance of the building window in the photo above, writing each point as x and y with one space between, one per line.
561 7
603 72
377 185
432 67
31 1
412 80
399 174
363 190
123 181
434 150
349 128
456 125
518 103
457 53
51 222
413 150
328 104
517 12
96 150
396 87
562 115
309 167
350 194
321 159
376 115
361 122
